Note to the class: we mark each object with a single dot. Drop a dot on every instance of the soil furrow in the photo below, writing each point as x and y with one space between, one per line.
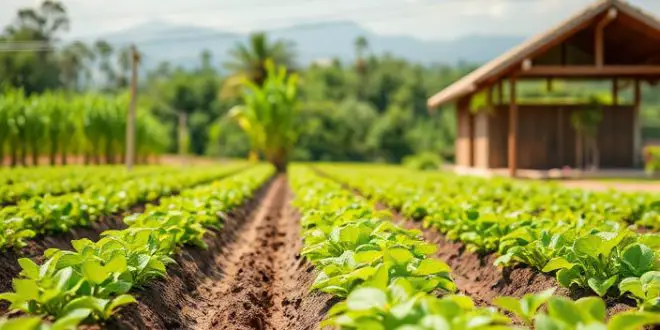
267 283
9 267
250 277
477 276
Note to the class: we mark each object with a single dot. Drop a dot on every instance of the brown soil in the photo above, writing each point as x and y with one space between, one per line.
250 277
9 267
478 277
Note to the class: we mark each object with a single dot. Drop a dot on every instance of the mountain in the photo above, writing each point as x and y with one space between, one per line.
181 44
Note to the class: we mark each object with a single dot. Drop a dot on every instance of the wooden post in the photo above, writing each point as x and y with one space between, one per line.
130 122
637 136
513 129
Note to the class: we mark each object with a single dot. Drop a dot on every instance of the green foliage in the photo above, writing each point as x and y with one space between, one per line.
58 124
652 160
95 279
423 162
581 236
103 196
268 114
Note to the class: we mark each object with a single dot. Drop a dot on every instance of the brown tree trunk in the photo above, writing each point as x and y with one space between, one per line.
279 159
24 154
35 156
63 156
14 155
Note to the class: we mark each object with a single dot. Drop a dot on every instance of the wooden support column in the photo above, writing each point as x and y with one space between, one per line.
513 129
637 134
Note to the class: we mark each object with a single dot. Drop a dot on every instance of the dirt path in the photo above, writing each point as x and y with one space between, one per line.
619 186
251 277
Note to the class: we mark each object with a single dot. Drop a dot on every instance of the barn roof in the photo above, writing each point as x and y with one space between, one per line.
514 58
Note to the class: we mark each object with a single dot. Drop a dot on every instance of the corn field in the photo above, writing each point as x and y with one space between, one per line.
57 126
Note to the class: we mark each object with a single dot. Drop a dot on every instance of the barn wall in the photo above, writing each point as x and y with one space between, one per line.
464 138
546 138
498 128
481 140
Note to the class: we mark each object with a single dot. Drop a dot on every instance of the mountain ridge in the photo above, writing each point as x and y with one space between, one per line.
181 44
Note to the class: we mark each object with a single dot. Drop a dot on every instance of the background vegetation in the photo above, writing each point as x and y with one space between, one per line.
370 109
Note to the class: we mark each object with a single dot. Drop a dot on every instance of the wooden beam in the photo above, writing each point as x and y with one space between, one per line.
546 71
600 36
513 129
637 134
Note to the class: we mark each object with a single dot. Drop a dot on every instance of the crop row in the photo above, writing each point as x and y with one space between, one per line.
58 183
390 282
52 214
9 176
92 282
581 237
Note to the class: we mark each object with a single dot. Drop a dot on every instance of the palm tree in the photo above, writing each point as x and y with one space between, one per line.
268 113
249 60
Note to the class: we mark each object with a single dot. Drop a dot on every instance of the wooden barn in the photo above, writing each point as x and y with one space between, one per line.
610 41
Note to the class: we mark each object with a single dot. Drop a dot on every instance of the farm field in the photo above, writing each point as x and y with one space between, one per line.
238 246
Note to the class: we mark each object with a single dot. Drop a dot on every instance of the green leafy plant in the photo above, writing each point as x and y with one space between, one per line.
268 113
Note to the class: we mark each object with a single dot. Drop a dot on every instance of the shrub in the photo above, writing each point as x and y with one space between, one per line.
423 161
652 159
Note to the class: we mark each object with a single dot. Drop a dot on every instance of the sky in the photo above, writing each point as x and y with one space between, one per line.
425 19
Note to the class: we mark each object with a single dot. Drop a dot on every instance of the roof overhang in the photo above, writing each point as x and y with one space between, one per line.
512 61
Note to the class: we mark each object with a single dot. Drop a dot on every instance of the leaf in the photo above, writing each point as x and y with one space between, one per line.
71 320
30 269
119 301
116 265
632 285
633 320
94 272
26 289
557 263
97 305
363 299
400 256
563 309
431 266
592 309
639 258
21 323
601 287
588 245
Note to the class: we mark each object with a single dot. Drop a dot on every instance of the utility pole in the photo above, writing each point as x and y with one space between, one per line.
130 122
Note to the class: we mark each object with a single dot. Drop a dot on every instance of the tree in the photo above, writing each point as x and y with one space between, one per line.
361 45
268 114
249 60
104 53
34 71
74 63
